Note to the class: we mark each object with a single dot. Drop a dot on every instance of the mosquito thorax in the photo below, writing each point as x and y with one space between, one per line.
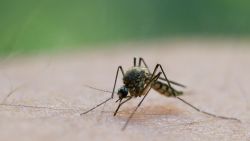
134 79
134 76
122 92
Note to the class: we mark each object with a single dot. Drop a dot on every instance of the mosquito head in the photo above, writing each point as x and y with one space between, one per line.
122 92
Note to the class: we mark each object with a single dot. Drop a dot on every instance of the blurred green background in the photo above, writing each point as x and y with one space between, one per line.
29 26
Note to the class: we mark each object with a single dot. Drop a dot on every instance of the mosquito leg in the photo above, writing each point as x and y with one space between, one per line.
190 105
141 60
120 104
134 61
166 79
161 78
204 112
116 76
165 76
112 95
147 89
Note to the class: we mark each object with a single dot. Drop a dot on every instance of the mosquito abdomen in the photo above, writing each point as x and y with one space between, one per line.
164 89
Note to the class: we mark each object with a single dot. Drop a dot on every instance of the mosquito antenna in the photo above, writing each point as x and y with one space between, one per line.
106 91
213 115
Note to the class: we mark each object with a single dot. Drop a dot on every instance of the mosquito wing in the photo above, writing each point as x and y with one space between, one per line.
173 82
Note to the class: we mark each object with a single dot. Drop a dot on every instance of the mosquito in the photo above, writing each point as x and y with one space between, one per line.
138 81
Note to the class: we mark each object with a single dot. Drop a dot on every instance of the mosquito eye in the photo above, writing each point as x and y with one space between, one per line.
123 92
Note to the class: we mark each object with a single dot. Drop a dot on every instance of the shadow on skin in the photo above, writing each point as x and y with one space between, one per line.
149 112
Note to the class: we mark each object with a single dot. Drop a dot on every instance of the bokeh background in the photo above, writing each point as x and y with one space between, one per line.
30 26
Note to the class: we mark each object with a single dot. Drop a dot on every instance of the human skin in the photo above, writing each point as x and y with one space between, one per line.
42 96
